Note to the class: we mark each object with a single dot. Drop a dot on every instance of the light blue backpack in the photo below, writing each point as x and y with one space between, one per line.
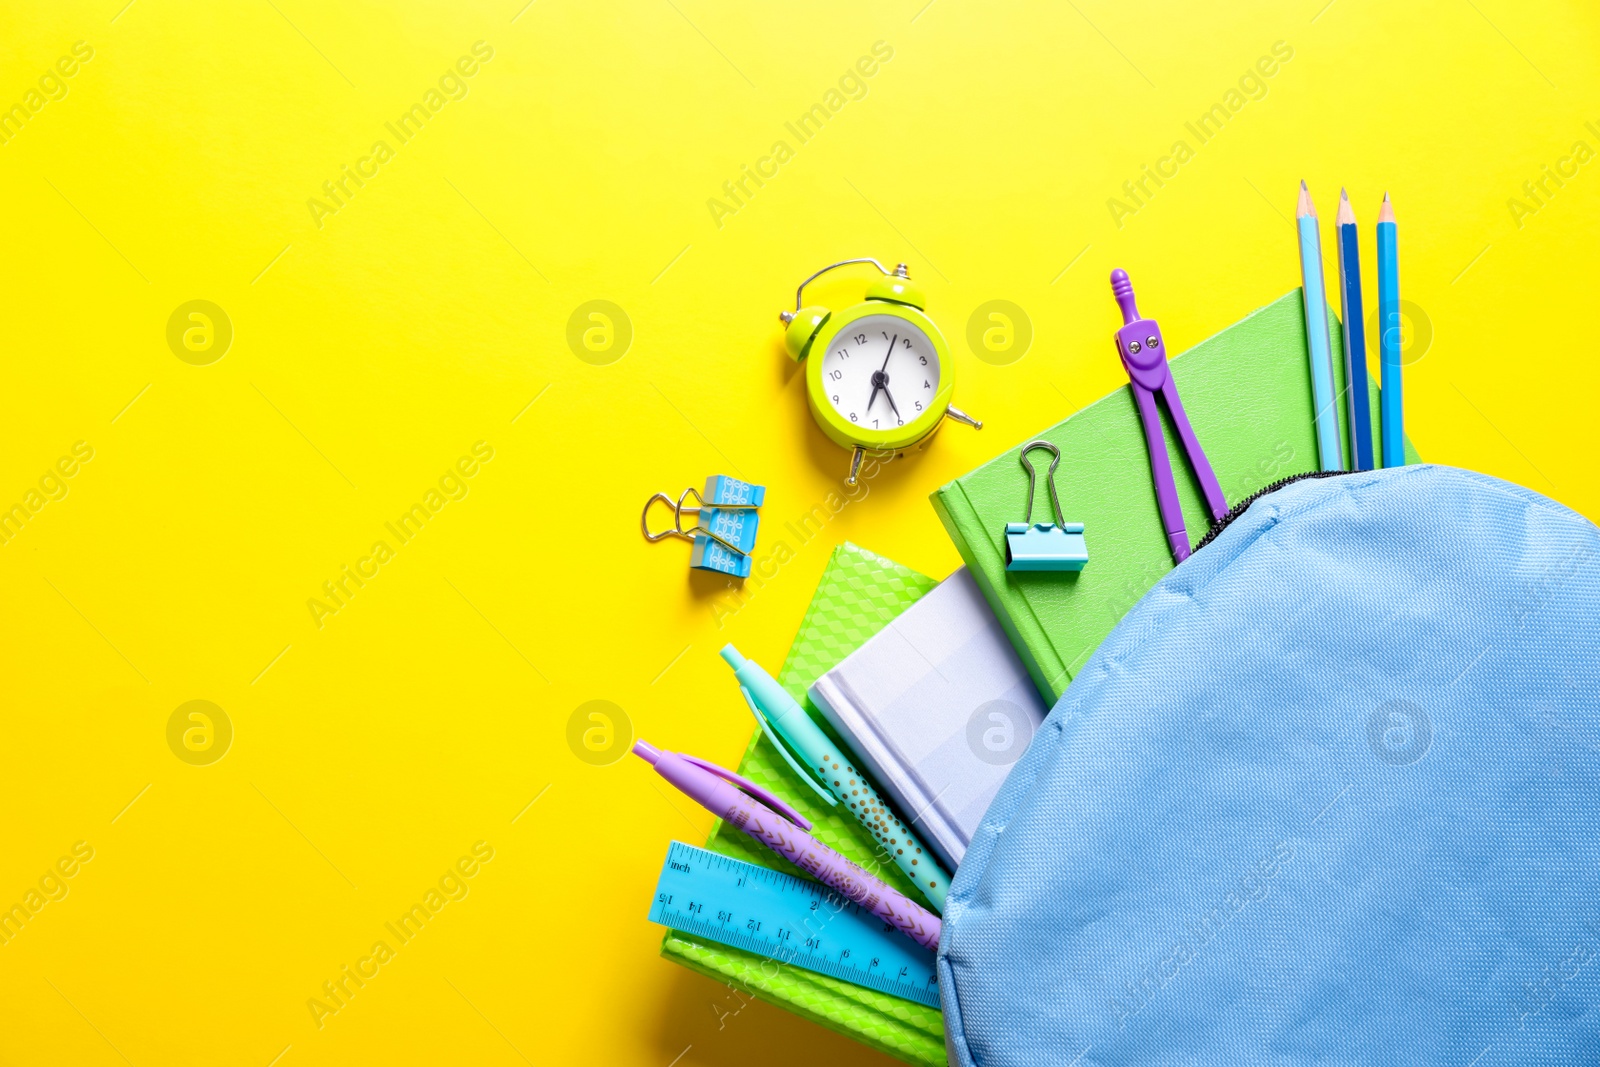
1329 794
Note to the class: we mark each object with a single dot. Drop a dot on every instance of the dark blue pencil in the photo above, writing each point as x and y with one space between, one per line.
1355 338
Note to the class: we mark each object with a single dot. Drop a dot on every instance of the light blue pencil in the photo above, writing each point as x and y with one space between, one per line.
1330 447
1391 410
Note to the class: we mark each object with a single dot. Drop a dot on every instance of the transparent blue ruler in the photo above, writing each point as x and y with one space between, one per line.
793 921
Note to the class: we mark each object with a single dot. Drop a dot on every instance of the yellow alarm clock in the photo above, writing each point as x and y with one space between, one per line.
880 375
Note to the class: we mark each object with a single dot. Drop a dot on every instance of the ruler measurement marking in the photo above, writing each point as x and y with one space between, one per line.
761 911
879 980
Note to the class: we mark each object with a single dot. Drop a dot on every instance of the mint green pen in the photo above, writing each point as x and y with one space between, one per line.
789 728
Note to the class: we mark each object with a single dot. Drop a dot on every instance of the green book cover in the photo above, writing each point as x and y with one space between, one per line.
860 593
1247 392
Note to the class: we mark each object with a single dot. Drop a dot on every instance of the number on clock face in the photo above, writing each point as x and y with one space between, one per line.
881 372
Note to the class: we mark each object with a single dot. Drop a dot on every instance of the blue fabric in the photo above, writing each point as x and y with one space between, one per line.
1330 794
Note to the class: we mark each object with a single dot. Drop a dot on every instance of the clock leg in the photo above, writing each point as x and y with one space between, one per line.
855 464
953 412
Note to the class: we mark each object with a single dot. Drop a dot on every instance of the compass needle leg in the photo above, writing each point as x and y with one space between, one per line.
1161 473
1216 503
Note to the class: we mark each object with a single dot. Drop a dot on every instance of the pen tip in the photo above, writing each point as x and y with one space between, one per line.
731 654
646 751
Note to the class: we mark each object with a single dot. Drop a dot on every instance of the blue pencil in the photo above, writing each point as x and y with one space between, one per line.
1392 410
1330 448
1355 337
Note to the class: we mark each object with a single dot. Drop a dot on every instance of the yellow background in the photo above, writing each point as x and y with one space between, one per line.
431 309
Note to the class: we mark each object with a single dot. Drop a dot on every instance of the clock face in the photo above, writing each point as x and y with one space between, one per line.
880 372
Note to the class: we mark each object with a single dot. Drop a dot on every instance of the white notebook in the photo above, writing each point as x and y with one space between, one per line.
938 707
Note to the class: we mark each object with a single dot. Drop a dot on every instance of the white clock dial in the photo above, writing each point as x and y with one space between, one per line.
881 372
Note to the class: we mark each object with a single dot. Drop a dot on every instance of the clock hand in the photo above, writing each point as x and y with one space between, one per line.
890 399
880 380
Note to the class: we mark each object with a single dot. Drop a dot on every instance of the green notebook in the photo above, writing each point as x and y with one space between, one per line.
1247 392
859 595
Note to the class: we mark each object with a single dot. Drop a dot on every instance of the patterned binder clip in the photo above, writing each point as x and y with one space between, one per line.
1045 546
724 533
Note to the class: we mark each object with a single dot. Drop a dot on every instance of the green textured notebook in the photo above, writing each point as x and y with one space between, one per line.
860 593
1247 392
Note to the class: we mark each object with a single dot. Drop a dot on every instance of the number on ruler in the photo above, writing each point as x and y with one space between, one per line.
780 924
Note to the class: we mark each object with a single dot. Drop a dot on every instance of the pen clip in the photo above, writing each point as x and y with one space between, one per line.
747 786
782 745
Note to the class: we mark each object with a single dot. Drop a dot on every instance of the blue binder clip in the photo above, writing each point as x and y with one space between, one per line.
709 555
1045 546
727 511
721 489
724 533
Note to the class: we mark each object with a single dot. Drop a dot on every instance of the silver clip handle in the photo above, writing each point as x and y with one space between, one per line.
678 508
1049 478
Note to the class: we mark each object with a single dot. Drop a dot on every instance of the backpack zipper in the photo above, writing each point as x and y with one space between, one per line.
1239 508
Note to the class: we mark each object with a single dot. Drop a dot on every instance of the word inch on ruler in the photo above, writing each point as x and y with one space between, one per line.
791 920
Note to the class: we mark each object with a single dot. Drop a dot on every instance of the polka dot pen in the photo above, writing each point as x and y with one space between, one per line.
822 765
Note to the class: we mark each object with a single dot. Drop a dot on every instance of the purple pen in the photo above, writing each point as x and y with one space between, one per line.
1144 357
778 826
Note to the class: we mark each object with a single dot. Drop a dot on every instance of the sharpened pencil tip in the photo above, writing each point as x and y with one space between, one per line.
1342 194
1303 207
1386 196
